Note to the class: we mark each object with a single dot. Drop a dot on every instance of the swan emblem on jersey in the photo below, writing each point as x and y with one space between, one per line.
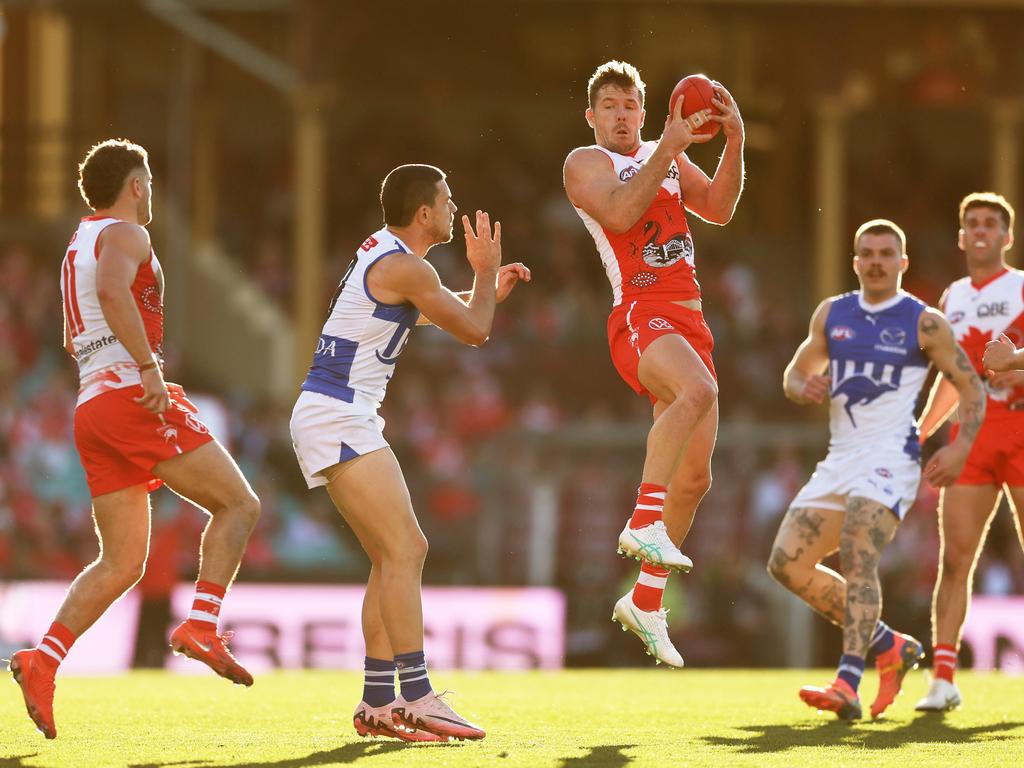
659 254
861 390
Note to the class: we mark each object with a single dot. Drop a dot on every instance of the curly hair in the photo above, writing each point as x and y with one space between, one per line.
106 166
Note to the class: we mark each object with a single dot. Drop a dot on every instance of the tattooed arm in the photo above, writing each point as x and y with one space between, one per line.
937 342
803 381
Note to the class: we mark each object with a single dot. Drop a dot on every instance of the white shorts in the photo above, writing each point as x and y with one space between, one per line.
888 477
327 431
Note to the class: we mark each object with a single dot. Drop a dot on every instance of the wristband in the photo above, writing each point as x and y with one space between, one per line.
148 366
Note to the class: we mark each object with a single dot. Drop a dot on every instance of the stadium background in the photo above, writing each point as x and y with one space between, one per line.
270 125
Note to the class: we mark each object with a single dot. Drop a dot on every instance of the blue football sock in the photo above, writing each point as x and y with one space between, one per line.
883 638
851 669
378 681
412 675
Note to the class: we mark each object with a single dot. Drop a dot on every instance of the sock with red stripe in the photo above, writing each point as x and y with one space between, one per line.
56 643
650 586
650 505
944 663
206 606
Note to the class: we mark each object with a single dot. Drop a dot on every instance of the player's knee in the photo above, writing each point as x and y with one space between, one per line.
781 567
409 550
957 561
702 394
248 509
127 570
695 484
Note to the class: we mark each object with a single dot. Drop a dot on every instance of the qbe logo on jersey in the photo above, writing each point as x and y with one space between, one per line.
659 324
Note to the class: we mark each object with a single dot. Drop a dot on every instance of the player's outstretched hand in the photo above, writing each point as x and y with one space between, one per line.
999 354
817 388
679 132
508 276
732 123
155 396
946 465
483 248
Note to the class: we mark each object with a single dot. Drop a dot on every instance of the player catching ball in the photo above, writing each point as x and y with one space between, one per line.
633 196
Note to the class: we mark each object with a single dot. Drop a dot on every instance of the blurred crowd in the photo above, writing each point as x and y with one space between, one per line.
523 457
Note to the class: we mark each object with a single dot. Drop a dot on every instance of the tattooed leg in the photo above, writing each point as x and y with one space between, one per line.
867 529
805 538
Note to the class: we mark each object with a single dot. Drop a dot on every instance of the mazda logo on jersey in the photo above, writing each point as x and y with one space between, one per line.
628 173
841 333
956 317
883 472
896 337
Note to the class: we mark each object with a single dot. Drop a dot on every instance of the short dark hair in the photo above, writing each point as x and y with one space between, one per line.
988 200
101 175
407 188
880 227
617 73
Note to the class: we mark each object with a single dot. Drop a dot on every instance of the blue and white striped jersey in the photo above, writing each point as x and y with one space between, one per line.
360 343
877 371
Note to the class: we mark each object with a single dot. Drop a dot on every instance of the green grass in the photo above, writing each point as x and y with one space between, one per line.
577 719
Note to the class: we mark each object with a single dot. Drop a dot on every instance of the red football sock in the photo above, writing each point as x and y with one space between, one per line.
206 605
56 643
650 586
650 504
944 662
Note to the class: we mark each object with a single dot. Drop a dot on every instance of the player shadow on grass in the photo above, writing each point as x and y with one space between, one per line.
924 729
605 756
15 762
343 755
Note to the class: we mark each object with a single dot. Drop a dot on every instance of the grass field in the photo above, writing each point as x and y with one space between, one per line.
577 719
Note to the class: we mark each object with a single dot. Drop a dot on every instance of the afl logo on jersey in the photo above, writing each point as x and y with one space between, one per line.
628 173
841 333
659 324
896 337
883 472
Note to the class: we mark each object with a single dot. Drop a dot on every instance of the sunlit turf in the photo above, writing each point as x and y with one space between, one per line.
575 719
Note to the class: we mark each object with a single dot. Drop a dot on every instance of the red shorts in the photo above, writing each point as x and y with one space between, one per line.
632 327
997 456
120 442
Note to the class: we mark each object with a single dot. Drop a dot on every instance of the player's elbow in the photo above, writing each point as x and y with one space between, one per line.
476 338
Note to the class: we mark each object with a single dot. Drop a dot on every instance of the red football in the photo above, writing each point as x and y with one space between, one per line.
696 92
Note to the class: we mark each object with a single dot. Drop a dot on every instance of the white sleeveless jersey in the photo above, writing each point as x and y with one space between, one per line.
877 371
103 361
978 314
360 343
654 259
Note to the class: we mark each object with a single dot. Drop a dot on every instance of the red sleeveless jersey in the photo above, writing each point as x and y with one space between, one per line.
654 259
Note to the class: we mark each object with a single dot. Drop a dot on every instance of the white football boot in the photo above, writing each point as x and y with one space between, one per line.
377 721
942 696
649 626
432 713
652 544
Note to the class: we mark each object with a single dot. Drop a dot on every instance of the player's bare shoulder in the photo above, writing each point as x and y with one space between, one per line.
584 166
933 328
127 238
398 275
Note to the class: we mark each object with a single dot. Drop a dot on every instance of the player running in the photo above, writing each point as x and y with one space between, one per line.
985 305
338 438
133 431
868 352
633 196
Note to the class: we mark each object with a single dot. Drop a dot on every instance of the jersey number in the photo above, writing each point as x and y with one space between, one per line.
341 287
72 313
